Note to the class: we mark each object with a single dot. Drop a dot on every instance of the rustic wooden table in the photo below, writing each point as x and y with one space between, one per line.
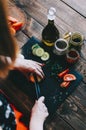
70 16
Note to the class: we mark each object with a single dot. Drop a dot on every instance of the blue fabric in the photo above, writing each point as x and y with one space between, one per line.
50 86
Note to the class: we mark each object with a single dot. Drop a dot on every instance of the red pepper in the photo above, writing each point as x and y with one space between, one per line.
61 75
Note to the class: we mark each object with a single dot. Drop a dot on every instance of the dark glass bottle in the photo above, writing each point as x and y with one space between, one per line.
50 33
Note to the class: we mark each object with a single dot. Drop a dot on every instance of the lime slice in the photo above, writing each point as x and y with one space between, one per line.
35 46
34 51
45 56
39 52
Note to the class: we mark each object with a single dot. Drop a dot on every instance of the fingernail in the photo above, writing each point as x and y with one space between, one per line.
43 64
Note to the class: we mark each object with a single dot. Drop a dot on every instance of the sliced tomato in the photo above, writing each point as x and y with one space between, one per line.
61 75
17 26
65 84
69 77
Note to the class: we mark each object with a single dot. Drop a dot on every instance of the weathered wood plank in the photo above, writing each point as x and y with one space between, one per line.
33 29
17 97
78 5
21 39
73 109
81 67
72 117
57 123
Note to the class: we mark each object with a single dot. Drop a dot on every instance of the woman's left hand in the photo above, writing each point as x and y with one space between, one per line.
38 115
25 65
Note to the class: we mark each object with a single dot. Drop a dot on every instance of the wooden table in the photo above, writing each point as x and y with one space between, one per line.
70 16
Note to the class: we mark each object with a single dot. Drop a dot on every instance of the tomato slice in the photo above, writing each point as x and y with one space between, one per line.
61 75
65 84
69 77
17 25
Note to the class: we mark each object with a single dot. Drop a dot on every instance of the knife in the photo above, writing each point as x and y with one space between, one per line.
37 87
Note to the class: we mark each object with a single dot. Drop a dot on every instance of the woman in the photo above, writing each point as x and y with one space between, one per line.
9 60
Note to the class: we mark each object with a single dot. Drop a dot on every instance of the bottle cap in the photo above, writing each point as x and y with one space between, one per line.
51 13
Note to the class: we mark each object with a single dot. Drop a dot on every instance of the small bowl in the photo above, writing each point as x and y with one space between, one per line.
72 56
60 47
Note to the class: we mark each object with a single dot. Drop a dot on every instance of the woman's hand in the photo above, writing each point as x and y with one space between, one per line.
38 115
1 128
25 66
39 110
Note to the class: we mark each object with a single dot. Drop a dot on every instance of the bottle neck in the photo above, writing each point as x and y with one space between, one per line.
50 21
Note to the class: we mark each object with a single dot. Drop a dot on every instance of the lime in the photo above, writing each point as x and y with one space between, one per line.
39 52
45 56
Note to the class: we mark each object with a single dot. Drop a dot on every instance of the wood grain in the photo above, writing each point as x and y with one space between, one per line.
78 5
74 109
